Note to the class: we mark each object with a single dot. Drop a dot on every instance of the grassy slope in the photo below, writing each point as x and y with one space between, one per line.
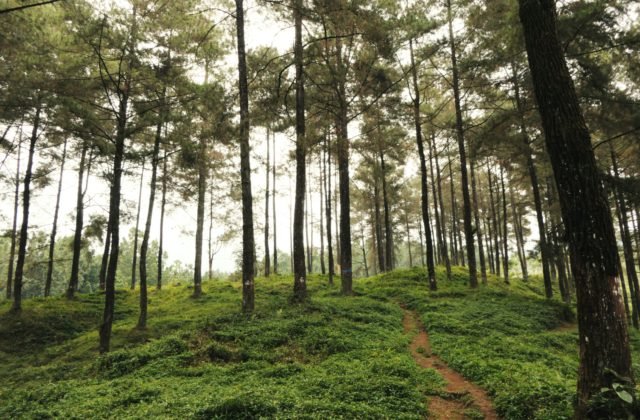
334 357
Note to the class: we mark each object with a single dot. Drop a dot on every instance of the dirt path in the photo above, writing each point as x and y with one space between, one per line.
461 394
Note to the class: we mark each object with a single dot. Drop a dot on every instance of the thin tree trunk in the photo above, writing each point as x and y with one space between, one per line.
378 225
210 250
455 231
104 265
632 313
273 203
134 263
533 176
445 249
476 213
77 236
327 178
466 199
431 267
406 220
505 234
248 242
440 239
144 247
300 270
494 217
203 173
517 230
422 259
24 228
163 205
267 253
364 255
323 268
54 228
604 339
625 235
388 231
14 229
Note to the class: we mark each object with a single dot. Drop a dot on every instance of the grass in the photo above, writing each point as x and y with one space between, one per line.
333 357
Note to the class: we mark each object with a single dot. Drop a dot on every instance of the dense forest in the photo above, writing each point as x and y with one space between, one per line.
320 209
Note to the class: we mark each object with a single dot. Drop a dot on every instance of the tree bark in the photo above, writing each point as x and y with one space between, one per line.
267 253
604 340
77 236
54 228
323 268
445 249
494 220
144 247
299 267
505 232
136 232
163 205
328 205
14 229
424 185
24 228
476 213
273 203
248 242
466 200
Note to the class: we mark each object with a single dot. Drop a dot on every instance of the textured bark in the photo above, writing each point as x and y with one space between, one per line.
604 341
54 228
299 268
104 262
388 229
364 253
14 231
24 228
466 198
136 232
517 230
248 242
453 233
144 247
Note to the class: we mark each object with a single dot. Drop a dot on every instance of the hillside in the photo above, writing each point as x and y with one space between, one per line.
334 357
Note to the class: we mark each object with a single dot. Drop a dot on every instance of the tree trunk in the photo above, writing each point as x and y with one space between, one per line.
273 203
604 340
364 255
54 228
267 253
163 205
378 224
505 233
445 250
431 268
454 216
388 230
406 221
24 228
114 223
144 247
533 176
517 230
134 263
105 261
323 268
625 235
248 242
203 173
476 213
77 236
14 229
210 250
494 220
327 178
466 199
299 268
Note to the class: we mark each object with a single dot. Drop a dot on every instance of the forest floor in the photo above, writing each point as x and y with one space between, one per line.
499 351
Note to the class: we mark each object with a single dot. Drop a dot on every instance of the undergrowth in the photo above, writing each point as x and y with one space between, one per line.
333 357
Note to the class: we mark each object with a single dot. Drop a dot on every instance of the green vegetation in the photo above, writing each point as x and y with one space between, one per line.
334 357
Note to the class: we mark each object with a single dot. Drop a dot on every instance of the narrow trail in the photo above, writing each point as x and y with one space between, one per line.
461 394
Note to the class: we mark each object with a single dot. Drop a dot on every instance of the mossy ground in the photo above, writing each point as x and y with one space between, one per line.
333 357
